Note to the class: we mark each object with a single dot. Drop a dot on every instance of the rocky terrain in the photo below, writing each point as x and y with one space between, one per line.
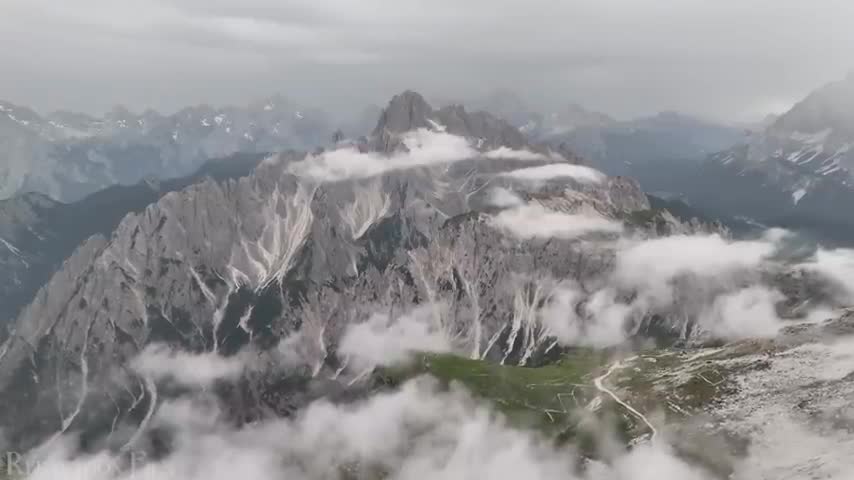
37 233
294 250
318 286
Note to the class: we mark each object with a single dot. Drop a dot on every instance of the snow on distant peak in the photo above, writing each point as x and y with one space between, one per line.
268 107
797 195
298 115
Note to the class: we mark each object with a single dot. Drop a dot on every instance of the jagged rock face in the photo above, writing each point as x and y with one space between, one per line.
275 259
69 156
220 266
409 111
38 233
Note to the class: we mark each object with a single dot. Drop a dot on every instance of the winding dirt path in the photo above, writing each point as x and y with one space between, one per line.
598 382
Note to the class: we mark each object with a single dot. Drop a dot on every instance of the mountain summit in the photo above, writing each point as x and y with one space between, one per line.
410 111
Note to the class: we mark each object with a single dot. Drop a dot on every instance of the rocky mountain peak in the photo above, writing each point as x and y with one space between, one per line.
409 111
406 111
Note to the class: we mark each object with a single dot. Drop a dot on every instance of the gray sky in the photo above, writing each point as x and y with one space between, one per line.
726 59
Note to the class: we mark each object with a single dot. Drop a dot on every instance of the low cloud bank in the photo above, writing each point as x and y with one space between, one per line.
653 266
700 286
579 173
162 363
535 221
386 341
424 148
746 313
417 432
836 266
507 153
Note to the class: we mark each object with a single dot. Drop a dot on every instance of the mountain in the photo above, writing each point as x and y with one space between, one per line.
511 107
38 233
426 213
636 148
283 320
68 155
794 174
639 148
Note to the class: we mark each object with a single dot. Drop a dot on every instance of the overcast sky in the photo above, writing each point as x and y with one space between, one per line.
726 59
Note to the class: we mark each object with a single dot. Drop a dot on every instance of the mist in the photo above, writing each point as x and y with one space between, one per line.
731 62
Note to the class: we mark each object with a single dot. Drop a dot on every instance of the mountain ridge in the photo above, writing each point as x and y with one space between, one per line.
272 257
68 155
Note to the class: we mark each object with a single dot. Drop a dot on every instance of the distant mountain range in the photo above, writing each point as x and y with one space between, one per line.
635 148
68 155
797 173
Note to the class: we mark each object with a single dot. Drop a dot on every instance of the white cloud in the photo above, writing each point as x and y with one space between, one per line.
601 323
746 313
776 235
535 221
425 148
706 283
503 198
387 341
513 154
836 266
578 173
415 433
652 265
653 462
161 362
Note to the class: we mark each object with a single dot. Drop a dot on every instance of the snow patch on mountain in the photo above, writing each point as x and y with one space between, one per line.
10 247
817 138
